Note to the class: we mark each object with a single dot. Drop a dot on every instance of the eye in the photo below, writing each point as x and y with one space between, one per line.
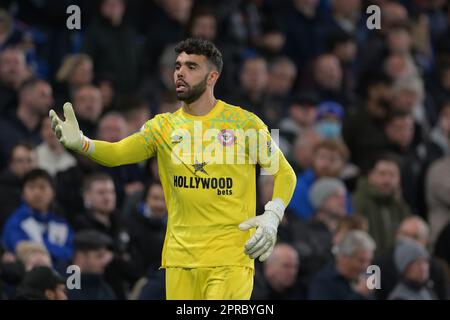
191 67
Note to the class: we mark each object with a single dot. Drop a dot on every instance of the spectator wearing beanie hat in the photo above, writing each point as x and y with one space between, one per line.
412 263
314 241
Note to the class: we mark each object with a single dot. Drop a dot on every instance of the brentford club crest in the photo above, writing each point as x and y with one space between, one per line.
226 137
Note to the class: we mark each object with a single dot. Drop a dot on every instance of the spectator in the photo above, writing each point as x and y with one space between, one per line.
42 283
439 144
301 25
303 152
279 280
343 46
347 224
329 120
302 113
88 106
416 229
253 80
378 198
76 71
102 215
343 279
22 160
412 262
156 88
313 240
282 74
329 158
136 113
13 72
127 179
110 42
34 220
9 36
437 188
35 98
362 127
32 255
328 79
172 17
92 255
147 224
409 97
399 130
51 155
346 15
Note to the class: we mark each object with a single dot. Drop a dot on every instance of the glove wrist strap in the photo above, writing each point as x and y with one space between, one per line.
276 206
87 145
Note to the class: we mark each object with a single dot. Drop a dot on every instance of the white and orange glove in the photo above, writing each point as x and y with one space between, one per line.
262 242
68 131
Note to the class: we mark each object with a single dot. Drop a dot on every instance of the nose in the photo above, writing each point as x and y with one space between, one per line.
179 74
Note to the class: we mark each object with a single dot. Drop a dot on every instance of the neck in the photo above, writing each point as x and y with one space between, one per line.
28 118
202 105
102 218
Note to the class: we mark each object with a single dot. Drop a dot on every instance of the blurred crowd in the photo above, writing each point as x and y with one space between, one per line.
363 118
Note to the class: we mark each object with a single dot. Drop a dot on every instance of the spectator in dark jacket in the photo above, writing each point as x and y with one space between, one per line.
21 161
111 42
35 99
41 283
279 276
342 279
378 198
314 242
399 130
92 255
414 228
362 127
147 225
13 72
100 200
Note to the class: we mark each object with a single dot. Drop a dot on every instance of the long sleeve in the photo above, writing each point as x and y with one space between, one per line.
134 148
285 181
129 150
273 161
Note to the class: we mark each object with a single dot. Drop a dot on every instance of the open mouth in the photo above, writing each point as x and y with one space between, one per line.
181 86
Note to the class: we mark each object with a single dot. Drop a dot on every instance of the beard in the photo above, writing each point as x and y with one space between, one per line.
191 94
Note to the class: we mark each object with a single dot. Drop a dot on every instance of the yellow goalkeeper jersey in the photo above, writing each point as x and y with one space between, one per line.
207 170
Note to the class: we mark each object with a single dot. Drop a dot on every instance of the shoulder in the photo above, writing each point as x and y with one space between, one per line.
17 216
158 120
248 119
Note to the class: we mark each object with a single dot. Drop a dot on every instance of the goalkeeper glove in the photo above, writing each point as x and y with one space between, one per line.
262 242
68 132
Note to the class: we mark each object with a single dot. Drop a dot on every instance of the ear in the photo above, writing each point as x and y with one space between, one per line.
212 77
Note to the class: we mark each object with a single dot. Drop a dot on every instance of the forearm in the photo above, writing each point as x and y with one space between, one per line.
111 154
285 181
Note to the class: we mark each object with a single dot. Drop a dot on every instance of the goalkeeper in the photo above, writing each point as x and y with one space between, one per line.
209 179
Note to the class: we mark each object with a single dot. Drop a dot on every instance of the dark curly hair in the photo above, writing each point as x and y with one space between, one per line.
203 48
